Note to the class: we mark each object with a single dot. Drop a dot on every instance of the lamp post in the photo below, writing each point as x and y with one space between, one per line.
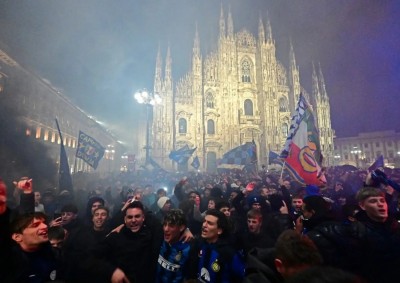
149 99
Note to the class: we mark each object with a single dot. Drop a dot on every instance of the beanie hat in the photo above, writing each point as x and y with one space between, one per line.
161 201
255 199
312 190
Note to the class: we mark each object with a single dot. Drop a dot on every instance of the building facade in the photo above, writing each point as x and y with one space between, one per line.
361 151
239 93
38 104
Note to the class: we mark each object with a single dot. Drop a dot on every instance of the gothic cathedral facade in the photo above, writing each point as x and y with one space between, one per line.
239 93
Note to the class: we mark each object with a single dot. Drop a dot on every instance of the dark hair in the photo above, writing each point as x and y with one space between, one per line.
222 221
135 204
70 208
21 222
90 203
318 204
367 192
222 203
175 217
56 232
294 250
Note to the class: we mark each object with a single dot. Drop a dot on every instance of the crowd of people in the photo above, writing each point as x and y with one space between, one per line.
230 226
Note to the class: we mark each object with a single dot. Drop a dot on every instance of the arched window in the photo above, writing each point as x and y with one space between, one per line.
246 72
283 105
285 130
210 127
248 107
182 126
210 100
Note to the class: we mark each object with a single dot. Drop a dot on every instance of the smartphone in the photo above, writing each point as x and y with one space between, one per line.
56 215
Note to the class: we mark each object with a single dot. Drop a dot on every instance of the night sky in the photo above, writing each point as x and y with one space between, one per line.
100 52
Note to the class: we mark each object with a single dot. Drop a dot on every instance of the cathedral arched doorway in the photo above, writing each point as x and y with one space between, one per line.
211 161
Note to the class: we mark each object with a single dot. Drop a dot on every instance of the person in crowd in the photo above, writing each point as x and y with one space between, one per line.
164 205
315 211
160 193
379 235
38 205
93 203
32 258
294 253
76 244
255 235
173 259
56 236
100 226
217 260
129 255
278 219
296 205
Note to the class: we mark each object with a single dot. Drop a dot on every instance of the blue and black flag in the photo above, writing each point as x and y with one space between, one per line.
89 150
182 155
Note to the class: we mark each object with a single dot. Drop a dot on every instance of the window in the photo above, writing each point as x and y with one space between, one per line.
377 144
365 145
346 157
283 105
248 107
210 127
246 72
210 100
389 143
38 132
284 130
182 126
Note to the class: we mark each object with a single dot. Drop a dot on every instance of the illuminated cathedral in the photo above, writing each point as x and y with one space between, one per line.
238 93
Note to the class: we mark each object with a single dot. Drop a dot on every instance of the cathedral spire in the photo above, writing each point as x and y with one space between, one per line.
315 85
196 44
269 30
157 77
230 24
322 82
222 33
292 57
168 73
261 31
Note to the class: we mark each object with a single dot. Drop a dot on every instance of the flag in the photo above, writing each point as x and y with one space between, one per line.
89 150
302 152
272 156
181 156
239 157
196 163
379 163
64 178
154 166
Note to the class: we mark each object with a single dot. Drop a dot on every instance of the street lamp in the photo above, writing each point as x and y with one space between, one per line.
149 99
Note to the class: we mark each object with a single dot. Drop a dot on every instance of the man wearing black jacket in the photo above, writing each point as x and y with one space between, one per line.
129 255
